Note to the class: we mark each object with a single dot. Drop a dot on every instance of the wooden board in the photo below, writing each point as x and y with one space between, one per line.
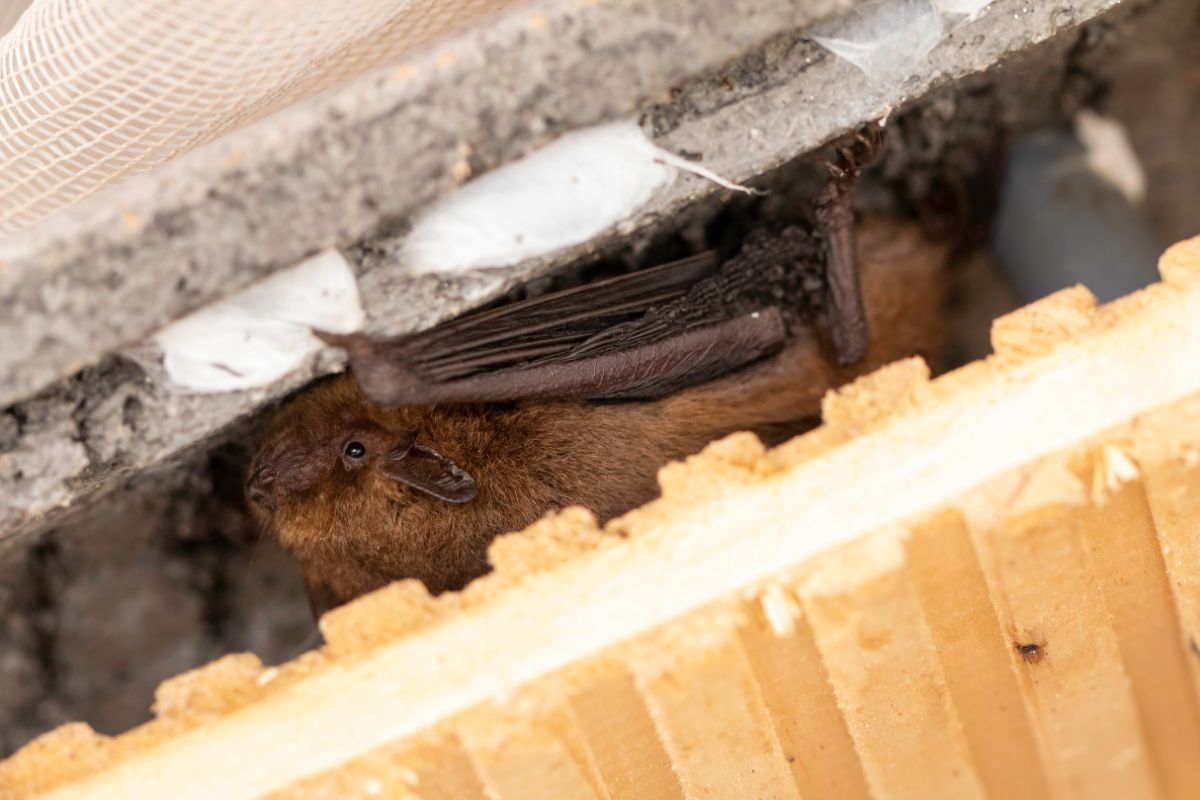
986 583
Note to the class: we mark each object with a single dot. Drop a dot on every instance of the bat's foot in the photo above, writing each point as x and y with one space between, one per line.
858 150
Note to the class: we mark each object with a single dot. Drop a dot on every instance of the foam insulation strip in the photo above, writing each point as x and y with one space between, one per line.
981 585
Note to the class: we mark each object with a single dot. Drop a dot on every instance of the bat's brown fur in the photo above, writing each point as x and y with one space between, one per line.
355 530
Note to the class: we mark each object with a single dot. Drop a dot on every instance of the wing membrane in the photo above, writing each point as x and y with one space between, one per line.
639 336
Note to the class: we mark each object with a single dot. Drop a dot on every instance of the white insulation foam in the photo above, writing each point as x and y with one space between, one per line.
561 195
259 335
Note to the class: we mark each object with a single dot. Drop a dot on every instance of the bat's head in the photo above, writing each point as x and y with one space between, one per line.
335 467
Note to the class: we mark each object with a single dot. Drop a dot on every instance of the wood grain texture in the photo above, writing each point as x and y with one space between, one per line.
886 674
795 685
975 656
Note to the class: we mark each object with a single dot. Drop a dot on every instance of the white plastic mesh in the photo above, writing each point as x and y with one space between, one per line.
92 90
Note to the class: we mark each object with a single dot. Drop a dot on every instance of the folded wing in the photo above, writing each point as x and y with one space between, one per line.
636 336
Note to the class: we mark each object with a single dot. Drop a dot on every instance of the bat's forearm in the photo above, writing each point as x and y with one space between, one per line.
642 371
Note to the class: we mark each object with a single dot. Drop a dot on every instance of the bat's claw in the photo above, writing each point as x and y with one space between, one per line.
332 339
863 148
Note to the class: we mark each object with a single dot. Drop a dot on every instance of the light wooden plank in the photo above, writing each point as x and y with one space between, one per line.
1053 610
868 626
616 725
432 766
975 657
795 687
1167 448
704 700
1125 554
530 749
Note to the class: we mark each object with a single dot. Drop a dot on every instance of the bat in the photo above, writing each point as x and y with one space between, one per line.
446 438
365 492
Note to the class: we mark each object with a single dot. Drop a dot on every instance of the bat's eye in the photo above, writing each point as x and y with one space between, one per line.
355 449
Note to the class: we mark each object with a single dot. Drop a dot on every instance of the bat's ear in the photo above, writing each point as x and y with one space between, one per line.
429 471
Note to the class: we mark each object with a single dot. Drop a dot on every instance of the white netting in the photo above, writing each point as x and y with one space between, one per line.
92 90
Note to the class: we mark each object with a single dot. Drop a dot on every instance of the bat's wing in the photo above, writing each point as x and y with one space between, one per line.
634 336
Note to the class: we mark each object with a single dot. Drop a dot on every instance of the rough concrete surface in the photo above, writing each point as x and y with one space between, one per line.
94 616
328 173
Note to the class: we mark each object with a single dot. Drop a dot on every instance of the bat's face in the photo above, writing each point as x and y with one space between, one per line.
332 465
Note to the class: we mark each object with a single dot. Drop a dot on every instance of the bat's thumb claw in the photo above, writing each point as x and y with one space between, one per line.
343 340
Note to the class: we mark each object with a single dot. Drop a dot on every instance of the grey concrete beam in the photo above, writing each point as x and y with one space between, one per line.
329 171
332 173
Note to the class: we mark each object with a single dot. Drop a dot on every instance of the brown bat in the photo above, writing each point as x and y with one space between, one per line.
576 398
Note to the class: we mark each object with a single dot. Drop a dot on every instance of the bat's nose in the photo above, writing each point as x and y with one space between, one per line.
260 488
